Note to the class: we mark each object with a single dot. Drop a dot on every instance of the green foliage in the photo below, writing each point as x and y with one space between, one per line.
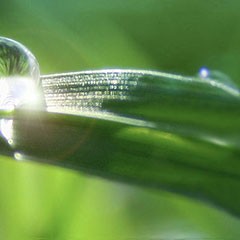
40 201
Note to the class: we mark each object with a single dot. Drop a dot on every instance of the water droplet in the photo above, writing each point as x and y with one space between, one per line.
19 76
19 83
219 79
214 75
203 72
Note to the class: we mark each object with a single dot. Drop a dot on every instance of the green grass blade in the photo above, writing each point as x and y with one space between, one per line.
153 129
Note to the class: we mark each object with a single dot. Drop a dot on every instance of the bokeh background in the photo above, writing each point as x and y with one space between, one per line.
45 202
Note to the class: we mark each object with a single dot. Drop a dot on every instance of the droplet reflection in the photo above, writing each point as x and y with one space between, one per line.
216 75
218 79
19 76
19 82
203 72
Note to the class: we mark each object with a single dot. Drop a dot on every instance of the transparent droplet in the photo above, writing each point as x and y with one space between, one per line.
219 79
217 76
19 76
204 72
19 83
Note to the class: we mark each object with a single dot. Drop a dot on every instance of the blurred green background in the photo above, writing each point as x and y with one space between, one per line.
45 202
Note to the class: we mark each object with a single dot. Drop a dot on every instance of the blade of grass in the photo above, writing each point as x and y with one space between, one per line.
153 129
